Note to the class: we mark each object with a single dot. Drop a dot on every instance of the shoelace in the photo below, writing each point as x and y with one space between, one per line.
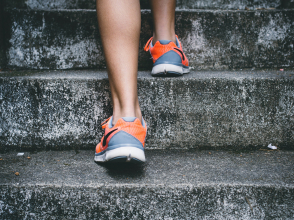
146 48
104 123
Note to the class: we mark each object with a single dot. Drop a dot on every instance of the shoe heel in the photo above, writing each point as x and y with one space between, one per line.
125 154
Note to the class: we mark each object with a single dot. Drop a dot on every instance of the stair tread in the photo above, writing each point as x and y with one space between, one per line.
173 168
102 74
236 4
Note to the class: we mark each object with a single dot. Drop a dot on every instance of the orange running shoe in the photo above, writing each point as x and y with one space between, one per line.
123 142
168 58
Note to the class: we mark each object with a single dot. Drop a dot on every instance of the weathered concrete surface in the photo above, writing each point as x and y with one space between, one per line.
56 40
171 185
69 39
230 110
234 4
181 4
53 4
2 51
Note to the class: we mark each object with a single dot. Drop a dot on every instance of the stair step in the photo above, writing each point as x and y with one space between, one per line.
183 4
212 39
171 185
204 109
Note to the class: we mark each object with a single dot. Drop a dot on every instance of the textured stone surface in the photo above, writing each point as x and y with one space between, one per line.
56 40
69 39
177 185
233 4
2 51
181 4
63 110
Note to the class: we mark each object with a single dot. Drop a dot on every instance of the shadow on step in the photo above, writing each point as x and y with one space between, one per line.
124 170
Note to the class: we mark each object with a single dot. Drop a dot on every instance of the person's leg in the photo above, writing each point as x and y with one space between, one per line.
119 25
125 132
166 50
163 12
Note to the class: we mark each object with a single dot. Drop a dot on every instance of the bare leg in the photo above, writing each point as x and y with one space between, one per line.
119 25
164 19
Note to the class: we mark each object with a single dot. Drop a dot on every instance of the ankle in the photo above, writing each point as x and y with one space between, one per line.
157 37
118 115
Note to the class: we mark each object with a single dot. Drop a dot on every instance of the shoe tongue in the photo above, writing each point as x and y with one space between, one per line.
164 42
129 119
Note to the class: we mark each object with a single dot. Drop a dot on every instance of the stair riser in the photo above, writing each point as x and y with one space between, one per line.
222 112
141 202
211 39
183 4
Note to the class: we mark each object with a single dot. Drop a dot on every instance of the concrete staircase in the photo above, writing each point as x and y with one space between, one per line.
207 155
172 185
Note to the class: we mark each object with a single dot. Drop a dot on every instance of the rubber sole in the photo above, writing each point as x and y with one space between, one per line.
169 70
122 154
